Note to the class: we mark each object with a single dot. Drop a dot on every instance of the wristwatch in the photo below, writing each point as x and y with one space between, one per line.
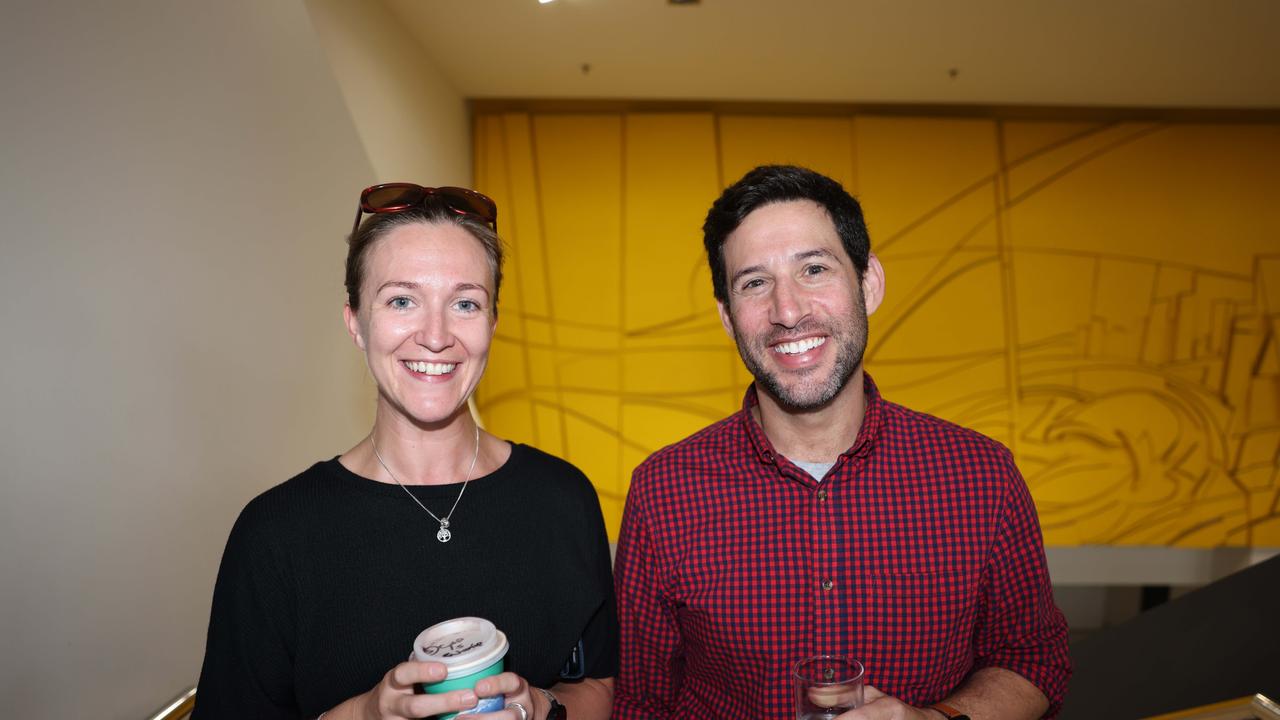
950 712
557 711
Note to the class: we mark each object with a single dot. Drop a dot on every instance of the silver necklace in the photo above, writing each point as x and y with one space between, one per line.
443 534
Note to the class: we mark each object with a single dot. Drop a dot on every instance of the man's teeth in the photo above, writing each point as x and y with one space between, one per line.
799 346
431 368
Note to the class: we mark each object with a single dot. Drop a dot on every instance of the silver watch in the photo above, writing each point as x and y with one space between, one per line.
557 711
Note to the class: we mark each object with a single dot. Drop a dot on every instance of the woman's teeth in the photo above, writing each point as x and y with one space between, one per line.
430 368
799 346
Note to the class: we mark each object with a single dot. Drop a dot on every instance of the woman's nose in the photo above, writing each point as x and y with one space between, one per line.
433 334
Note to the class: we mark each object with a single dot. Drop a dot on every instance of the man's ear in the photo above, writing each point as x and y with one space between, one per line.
873 284
725 318
352 320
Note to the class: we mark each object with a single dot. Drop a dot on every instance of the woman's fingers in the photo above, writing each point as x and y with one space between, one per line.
507 713
514 689
394 697
407 674
421 706
506 683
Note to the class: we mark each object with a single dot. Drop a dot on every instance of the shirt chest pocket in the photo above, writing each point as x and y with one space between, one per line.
915 630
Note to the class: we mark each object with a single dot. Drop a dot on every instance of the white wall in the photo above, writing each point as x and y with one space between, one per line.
177 181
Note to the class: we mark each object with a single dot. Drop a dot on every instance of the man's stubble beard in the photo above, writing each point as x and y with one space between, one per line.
850 337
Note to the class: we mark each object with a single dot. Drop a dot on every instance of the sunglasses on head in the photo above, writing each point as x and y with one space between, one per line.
398 197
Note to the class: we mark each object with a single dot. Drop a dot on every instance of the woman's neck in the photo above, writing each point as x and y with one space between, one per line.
416 454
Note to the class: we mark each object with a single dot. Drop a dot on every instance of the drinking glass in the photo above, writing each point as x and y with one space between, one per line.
827 685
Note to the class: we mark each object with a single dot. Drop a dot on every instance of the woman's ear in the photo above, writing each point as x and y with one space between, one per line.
352 319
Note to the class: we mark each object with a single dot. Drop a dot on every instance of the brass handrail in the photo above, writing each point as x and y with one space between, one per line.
177 708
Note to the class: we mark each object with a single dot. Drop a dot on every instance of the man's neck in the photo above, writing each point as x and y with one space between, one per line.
818 435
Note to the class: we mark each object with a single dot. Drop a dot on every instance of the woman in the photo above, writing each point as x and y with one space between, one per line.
328 578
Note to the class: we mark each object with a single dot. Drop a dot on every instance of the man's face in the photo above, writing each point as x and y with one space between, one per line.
796 307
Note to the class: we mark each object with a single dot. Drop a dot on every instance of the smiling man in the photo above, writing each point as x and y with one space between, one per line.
822 519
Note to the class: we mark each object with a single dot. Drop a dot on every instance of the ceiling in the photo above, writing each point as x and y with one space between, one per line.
1124 53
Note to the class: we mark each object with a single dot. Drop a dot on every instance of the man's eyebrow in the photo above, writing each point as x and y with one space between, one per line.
803 255
745 271
817 252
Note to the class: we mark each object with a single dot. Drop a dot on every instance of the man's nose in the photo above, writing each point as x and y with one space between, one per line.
789 305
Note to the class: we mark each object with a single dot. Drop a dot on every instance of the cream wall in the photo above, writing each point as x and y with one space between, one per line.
177 180
412 122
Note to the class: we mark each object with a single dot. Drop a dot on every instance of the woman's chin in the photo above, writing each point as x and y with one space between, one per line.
437 416
424 415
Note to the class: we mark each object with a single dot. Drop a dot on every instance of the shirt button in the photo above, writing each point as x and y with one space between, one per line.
822 496
827 584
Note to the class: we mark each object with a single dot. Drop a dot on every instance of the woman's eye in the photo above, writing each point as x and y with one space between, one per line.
400 303
468 305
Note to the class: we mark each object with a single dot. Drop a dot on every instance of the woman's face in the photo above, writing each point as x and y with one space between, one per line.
426 319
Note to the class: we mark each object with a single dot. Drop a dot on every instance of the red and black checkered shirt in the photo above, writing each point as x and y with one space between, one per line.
919 554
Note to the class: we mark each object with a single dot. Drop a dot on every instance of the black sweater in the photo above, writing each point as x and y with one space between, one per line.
328 578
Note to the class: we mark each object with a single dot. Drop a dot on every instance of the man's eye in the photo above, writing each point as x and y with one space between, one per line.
815 269
753 284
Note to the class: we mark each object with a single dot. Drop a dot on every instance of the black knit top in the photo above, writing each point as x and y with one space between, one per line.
328 578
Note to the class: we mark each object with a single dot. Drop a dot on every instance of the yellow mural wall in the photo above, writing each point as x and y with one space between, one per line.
1103 298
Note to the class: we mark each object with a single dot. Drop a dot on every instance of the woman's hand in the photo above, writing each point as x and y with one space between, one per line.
393 698
515 690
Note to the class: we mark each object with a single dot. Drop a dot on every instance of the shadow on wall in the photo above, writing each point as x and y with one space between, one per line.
1213 644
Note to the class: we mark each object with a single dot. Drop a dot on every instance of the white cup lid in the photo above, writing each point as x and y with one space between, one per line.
464 644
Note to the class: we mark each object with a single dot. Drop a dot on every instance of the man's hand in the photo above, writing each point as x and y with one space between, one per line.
878 706
990 693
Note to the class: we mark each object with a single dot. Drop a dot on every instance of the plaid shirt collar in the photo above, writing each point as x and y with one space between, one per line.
872 421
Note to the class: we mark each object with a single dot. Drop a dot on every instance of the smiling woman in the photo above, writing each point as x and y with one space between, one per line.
425 322
328 577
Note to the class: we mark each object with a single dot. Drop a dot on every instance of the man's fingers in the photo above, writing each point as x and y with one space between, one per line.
836 696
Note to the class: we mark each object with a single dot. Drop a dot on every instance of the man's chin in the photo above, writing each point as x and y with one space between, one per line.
807 392
797 399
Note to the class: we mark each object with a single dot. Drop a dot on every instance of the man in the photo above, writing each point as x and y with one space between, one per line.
823 519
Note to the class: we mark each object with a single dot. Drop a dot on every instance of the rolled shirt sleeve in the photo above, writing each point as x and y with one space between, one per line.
1020 628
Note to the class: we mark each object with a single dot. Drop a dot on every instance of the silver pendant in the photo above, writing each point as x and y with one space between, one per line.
443 534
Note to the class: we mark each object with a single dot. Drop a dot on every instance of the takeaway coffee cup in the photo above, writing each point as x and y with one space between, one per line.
472 648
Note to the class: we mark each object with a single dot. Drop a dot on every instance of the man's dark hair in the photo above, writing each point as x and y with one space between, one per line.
770 184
